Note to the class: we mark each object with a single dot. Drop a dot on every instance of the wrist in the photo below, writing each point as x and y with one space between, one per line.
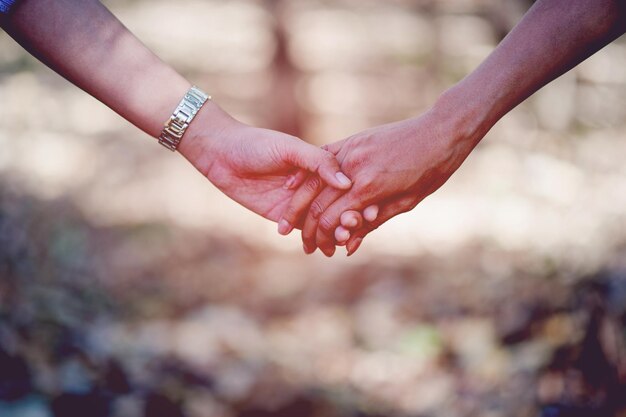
464 114
209 130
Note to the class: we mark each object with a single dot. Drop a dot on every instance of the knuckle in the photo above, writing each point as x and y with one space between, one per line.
329 157
326 225
316 209
327 160
313 184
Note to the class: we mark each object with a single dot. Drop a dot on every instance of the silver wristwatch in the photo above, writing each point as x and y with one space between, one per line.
178 123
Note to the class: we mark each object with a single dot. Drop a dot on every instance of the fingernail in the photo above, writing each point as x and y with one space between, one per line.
371 213
284 228
341 234
307 249
289 183
329 252
355 245
343 180
348 220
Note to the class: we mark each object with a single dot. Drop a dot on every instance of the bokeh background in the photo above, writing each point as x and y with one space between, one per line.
130 287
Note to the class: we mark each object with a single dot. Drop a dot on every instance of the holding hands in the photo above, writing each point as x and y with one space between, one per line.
393 167
388 169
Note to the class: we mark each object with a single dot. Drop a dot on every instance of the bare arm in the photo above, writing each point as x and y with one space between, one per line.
85 43
421 153
552 38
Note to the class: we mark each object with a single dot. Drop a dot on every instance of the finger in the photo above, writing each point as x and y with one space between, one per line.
299 204
333 148
388 210
322 162
353 245
371 213
295 180
351 219
316 209
342 235
330 219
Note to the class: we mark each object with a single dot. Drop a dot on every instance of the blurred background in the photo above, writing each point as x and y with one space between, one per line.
130 287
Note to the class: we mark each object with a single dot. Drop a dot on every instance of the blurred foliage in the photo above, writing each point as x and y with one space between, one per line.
231 329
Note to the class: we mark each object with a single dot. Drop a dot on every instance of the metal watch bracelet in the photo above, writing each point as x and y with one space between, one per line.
175 127
6 5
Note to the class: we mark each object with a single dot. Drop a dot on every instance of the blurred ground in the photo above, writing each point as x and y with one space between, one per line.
131 287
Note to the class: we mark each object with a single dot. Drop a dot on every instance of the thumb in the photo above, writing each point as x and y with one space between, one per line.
322 162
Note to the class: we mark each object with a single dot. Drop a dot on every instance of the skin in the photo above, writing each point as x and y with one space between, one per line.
251 165
82 41
421 153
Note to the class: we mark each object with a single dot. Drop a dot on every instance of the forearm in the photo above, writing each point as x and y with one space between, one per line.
553 37
86 44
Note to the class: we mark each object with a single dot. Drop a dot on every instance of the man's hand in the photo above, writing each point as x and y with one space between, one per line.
397 165
394 166
251 165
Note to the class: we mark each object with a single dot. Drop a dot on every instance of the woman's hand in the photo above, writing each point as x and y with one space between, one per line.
251 165
394 166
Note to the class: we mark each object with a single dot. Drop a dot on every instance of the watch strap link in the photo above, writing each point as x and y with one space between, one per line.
175 127
6 5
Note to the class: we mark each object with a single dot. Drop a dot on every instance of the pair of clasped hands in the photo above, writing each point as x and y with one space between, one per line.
336 194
